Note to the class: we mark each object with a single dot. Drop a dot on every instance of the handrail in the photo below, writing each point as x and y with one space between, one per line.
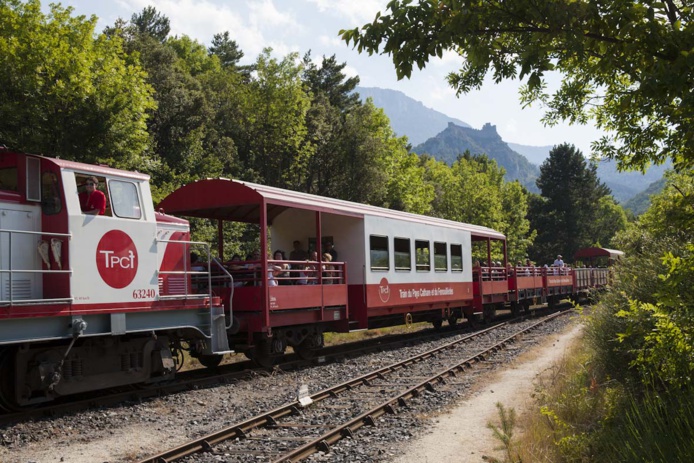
231 297
187 294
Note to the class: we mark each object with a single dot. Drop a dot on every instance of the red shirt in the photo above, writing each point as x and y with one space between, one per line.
95 200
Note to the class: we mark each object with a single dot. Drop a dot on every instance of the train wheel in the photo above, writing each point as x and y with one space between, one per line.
210 361
7 402
309 347
489 313
438 323
305 353
452 320
261 354
515 309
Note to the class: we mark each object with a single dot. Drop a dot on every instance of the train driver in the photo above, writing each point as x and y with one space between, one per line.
92 200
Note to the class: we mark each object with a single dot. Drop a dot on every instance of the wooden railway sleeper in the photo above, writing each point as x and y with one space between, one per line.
323 446
270 422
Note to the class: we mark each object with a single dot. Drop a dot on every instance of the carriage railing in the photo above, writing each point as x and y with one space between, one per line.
497 273
299 273
54 249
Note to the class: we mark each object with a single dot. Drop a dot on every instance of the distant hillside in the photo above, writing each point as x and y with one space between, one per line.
455 140
411 118
535 154
408 116
626 185
642 201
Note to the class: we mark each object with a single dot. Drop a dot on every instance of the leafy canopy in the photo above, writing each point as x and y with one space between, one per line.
629 65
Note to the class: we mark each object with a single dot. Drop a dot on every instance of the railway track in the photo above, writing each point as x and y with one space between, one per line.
224 374
315 422
230 373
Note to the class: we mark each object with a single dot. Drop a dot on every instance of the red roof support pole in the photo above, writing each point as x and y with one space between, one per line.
265 296
319 243
220 238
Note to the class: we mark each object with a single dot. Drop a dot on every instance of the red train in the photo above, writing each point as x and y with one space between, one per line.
93 301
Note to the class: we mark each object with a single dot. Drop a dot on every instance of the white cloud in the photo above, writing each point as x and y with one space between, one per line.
355 11
247 23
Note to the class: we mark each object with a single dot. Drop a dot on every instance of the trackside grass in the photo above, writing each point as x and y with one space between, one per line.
582 416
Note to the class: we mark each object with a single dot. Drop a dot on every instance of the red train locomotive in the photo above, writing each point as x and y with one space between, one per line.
92 301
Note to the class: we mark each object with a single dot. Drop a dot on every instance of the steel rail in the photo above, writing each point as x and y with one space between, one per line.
323 442
241 429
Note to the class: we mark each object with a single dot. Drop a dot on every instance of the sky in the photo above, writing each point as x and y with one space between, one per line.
301 25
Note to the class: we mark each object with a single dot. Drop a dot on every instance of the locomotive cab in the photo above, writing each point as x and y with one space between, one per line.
90 300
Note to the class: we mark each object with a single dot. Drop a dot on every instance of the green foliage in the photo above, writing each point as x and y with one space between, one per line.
575 210
504 434
65 93
626 64
134 97
272 131
151 23
655 428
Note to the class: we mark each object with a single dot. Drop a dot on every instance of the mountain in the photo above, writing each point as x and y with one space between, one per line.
639 203
455 140
420 124
408 116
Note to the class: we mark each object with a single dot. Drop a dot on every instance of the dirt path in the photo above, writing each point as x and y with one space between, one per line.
462 436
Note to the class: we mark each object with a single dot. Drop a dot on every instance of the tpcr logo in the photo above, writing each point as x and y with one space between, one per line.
116 259
384 290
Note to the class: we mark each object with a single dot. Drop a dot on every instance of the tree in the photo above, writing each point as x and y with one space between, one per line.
152 23
65 92
565 215
328 79
229 54
226 50
626 64
272 131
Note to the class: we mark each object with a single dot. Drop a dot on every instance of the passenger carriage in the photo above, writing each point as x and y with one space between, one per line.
393 268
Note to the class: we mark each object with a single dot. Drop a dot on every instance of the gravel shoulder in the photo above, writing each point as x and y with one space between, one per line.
462 435
430 432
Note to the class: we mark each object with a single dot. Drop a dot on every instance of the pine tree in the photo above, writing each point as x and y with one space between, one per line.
565 214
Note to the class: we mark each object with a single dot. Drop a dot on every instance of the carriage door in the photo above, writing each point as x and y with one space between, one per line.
17 253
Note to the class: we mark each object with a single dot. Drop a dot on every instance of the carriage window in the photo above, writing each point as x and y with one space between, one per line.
440 257
379 253
8 178
423 255
50 194
402 254
456 258
126 202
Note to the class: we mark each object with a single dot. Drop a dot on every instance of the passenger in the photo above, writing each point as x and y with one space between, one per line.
558 262
92 200
272 272
198 281
195 264
311 269
283 274
253 264
240 279
327 269
297 254
330 249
